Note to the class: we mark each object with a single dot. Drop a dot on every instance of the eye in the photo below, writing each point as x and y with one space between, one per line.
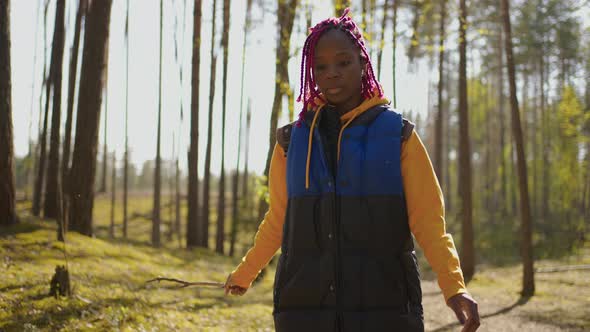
344 63
320 67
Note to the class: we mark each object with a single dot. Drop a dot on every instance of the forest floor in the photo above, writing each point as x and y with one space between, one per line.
110 293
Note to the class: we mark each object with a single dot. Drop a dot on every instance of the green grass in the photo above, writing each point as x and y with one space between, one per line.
110 294
108 278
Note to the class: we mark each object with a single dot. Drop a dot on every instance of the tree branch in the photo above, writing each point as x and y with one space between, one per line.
184 284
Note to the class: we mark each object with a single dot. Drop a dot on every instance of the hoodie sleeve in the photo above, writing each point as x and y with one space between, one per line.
270 232
425 204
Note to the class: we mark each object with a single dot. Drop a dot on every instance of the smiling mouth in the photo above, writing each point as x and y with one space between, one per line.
333 91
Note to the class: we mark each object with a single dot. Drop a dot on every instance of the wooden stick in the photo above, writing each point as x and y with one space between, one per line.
184 284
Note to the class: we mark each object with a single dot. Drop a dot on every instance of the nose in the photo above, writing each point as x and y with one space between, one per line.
332 71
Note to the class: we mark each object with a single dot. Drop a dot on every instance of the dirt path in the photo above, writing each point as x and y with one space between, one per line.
561 303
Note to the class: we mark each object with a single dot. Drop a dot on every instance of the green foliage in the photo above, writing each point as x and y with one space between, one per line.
566 150
262 188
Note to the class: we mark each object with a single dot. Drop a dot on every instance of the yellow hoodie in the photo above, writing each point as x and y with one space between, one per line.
424 202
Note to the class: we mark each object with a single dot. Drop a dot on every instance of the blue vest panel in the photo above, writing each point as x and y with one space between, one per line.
369 160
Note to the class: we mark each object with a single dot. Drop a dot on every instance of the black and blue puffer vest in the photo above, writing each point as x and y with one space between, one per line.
347 261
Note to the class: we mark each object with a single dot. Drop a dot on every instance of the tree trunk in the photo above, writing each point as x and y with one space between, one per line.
30 154
7 199
172 192
449 199
204 242
193 227
438 126
41 168
544 146
286 12
52 203
467 253
65 163
489 172
586 205
126 154
113 195
41 142
234 207
94 62
246 176
105 157
535 154
236 177
157 172
382 38
177 201
394 37
528 278
176 222
501 118
220 236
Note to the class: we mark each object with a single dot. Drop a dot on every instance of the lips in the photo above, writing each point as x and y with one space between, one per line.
333 91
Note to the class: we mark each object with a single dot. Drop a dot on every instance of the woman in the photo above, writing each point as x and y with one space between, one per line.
348 183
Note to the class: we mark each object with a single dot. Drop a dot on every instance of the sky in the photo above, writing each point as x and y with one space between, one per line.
27 65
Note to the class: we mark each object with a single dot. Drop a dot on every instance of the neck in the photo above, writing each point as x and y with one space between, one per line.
349 105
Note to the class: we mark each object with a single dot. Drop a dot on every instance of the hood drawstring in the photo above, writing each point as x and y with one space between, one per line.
340 135
309 144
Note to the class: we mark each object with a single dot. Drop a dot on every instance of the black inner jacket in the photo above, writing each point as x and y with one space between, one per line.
329 128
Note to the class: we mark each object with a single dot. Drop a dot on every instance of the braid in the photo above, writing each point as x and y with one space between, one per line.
308 90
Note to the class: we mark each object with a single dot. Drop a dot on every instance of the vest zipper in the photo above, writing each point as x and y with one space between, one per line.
335 231
338 272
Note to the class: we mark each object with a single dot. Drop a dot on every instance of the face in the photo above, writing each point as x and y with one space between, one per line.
338 70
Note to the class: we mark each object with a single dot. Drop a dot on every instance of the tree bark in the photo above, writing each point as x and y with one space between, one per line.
105 157
467 252
113 195
501 118
177 201
65 162
126 153
52 202
246 176
236 177
440 116
207 177
528 278
394 37
193 219
286 12
157 172
94 62
544 145
7 199
382 38
31 154
41 142
41 168
220 236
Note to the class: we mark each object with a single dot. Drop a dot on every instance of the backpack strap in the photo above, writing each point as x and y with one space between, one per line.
407 129
284 137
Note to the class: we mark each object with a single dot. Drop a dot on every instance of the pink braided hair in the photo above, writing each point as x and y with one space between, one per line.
308 91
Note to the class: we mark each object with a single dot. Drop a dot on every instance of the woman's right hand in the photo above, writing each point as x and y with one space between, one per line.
231 287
